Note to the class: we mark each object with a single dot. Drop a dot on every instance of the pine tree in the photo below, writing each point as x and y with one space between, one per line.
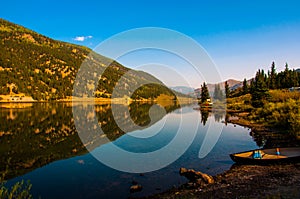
245 87
259 89
251 89
272 77
292 82
286 77
204 93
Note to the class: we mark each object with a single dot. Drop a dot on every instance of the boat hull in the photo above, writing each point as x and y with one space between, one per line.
288 155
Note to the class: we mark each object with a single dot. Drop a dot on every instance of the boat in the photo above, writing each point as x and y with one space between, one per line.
267 156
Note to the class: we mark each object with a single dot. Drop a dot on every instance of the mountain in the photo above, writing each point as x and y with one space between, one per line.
45 69
184 90
231 82
233 85
240 85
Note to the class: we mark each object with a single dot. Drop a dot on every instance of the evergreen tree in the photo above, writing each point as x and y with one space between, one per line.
227 90
272 77
287 78
204 93
251 89
259 90
287 81
294 79
245 87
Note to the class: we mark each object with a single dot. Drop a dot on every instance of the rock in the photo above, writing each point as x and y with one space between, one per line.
196 176
182 170
207 178
136 188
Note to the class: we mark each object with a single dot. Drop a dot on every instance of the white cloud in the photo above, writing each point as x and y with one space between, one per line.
82 38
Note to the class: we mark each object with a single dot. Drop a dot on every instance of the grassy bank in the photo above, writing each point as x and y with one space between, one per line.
281 112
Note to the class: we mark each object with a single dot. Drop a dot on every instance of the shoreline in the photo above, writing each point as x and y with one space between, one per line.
244 181
91 99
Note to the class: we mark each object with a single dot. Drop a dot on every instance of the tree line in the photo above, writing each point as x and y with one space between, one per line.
258 87
263 82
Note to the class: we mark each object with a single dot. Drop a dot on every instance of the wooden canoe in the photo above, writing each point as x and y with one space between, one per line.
268 156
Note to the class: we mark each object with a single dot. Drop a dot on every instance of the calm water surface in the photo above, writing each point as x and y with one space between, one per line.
39 142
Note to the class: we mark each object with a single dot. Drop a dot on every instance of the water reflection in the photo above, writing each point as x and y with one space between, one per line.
36 135
85 177
264 138
267 139
204 116
33 135
219 115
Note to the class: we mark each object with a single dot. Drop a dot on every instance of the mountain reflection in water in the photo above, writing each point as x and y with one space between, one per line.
35 134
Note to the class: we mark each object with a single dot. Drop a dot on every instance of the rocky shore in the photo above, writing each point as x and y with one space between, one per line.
244 181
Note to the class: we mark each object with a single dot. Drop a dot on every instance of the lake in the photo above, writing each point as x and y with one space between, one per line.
47 144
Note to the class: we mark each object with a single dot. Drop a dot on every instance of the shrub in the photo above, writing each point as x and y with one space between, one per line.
241 103
281 114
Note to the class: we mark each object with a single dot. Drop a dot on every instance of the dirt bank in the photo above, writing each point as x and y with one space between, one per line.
245 181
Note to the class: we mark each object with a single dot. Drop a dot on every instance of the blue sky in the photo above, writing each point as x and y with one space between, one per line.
240 36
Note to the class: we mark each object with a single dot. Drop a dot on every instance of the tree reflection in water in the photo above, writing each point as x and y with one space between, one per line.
33 135
204 116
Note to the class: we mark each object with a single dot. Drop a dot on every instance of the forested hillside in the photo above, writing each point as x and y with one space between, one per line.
46 69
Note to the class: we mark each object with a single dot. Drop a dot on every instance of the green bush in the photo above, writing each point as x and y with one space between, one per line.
241 103
280 114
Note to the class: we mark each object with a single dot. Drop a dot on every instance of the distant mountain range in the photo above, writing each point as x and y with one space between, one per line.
239 84
45 69
184 90
233 84
190 91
